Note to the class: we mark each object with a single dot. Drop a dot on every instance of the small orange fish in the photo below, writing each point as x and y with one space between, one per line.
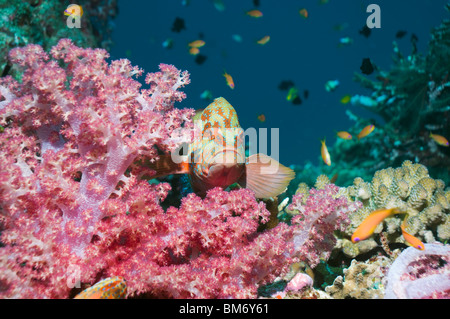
366 131
439 139
345 99
255 13
262 118
74 9
194 51
367 227
303 12
263 40
229 80
325 154
196 44
109 288
344 135
410 239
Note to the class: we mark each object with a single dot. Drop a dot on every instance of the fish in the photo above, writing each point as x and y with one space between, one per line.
73 9
264 40
109 288
400 34
410 239
367 227
196 44
216 157
237 38
285 85
344 135
345 41
254 13
219 5
345 99
366 131
331 85
178 25
292 94
325 154
303 12
168 43
194 51
365 31
206 95
366 66
439 139
262 118
229 80
200 58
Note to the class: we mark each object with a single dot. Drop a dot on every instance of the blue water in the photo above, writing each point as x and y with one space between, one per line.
304 51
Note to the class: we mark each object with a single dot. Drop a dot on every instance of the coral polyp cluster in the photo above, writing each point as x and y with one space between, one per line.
410 189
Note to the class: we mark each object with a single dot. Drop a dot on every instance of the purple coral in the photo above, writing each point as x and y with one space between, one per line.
420 274
323 212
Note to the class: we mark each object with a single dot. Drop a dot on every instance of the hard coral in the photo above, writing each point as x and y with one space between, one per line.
412 190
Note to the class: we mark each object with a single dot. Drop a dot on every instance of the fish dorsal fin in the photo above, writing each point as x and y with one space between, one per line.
266 176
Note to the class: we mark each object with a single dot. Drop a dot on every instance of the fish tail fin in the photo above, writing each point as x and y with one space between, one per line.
266 176
166 166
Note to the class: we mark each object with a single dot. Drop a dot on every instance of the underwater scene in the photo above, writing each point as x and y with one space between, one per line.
224 149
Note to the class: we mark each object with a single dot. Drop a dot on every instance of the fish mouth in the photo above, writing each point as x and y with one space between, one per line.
228 157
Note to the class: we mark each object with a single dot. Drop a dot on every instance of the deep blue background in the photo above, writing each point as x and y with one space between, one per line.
302 50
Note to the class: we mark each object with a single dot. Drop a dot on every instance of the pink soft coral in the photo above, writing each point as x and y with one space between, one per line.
74 208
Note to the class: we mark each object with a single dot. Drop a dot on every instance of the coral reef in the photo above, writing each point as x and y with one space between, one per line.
420 274
44 23
361 280
76 209
413 191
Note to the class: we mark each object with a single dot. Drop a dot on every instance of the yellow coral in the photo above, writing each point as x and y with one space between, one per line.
321 181
408 188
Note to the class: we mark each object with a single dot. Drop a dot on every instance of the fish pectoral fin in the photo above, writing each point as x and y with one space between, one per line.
266 176
165 165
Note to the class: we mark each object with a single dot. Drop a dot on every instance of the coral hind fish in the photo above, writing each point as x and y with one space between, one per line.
216 157
109 288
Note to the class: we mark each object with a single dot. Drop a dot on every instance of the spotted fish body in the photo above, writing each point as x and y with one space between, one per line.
217 157
109 288
218 153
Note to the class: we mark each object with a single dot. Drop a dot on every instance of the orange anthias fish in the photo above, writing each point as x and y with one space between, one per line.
196 44
345 99
262 118
325 154
304 13
410 239
439 139
344 135
367 227
109 288
229 80
73 9
216 157
194 51
255 13
264 40
366 131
